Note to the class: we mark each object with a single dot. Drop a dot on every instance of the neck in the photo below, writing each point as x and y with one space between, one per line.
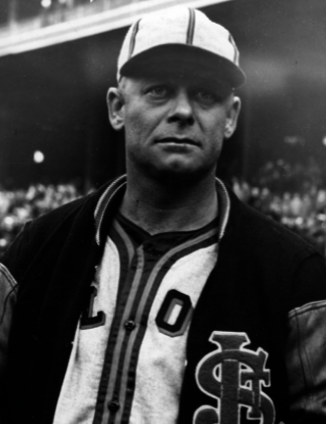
159 207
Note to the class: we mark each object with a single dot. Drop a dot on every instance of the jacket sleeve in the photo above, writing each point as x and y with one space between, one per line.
306 347
11 267
8 289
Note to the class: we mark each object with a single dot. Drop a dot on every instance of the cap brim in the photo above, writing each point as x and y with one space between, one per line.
197 59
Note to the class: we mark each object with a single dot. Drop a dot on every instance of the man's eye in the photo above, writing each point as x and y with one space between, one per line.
158 91
206 96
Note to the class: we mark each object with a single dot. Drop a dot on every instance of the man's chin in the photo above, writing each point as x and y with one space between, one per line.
178 176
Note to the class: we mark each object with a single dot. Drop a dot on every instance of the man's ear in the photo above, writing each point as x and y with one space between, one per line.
232 117
115 102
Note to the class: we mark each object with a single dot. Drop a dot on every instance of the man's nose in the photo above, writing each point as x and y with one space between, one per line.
182 109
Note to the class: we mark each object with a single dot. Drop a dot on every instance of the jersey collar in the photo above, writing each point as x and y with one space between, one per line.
118 186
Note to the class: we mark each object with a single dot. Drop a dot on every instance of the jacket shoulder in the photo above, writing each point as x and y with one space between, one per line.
262 234
57 216
272 259
51 229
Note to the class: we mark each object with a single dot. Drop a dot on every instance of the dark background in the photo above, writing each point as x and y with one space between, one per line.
53 99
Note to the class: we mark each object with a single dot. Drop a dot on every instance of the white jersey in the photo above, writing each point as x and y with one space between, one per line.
129 352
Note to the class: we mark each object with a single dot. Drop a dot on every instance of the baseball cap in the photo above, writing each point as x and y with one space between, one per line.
186 31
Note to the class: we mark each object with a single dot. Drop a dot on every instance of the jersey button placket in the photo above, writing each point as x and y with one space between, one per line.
114 406
130 325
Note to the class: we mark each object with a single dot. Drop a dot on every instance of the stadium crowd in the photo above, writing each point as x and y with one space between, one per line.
20 206
294 195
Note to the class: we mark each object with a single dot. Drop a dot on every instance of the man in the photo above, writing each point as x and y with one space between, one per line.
161 298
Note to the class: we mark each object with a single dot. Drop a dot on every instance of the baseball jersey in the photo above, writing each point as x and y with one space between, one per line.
129 350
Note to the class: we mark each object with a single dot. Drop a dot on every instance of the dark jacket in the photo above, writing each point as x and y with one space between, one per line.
256 337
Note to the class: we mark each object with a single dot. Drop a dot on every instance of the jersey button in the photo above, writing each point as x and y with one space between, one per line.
130 325
114 406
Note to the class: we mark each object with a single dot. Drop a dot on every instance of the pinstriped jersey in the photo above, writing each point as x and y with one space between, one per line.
129 351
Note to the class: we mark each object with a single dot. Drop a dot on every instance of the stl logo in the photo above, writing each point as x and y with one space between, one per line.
234 377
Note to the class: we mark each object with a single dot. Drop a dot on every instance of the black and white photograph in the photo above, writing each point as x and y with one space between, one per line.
162 212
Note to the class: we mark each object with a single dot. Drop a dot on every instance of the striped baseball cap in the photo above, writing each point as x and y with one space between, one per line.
186 31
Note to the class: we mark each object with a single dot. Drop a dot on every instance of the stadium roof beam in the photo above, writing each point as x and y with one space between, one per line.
20 40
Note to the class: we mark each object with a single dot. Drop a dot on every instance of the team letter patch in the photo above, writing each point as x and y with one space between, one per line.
234 377
174 314
89 321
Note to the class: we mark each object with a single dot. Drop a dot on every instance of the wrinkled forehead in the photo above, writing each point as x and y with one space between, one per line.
181 65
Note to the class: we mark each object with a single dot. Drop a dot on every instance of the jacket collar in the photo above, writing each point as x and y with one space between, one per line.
115 190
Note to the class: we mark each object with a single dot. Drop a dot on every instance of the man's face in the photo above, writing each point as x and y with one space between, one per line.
174 122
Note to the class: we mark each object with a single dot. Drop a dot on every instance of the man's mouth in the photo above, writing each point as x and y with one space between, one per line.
178 141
